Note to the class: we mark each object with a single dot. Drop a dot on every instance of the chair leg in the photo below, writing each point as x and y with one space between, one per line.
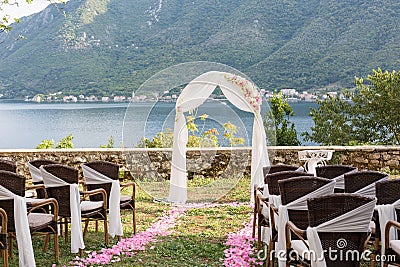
10 247
66 229
134 221
253 234
86 228
56 251
46 242
271 246
375 252
5 257
258 236
106 231
97 226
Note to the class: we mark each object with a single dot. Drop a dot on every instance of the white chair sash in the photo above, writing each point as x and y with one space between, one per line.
25 249
51 180
340 179
369 190
298 204
94 177
356 220
276 201
35 174
386 213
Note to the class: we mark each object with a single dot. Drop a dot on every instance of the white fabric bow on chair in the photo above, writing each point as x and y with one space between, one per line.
25 249
369 190
340 179
356 220
94 177
386 213
35 173
51 180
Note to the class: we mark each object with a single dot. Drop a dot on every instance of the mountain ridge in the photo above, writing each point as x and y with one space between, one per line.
111 47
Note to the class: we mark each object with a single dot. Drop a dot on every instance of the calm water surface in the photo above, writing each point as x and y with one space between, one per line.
24 124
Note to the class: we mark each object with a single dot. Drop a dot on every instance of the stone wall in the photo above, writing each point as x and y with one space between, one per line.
155 163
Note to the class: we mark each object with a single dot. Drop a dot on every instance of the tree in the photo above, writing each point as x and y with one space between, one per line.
331 123
372 116
281 111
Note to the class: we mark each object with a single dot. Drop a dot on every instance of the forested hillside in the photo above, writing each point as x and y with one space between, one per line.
110 46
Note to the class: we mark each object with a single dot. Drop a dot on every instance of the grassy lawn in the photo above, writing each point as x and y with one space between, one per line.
197 239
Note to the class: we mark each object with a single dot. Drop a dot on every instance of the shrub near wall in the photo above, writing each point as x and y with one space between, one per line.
156 162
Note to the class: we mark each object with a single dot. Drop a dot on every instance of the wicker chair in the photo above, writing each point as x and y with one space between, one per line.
258 191
279 168
333 171
392 251
40 190
326 208
90 210
3 237
294 188
355 181
7 165
387 192
111 170
39 223
261 207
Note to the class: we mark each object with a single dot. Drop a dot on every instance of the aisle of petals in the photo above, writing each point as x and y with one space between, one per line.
128 247
241 251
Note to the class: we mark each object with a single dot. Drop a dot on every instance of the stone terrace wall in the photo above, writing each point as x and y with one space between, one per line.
155 163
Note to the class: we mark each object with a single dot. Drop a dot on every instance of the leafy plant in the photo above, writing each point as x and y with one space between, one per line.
46 144
66 142
110 143
207 138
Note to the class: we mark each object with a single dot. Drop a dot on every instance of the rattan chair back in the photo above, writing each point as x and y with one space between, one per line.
333 171
273 179
278 168
62 193
16 184
326 208
355 181
7 165
40 192
107 168
292 189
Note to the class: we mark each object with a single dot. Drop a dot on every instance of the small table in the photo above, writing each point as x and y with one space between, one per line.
314 158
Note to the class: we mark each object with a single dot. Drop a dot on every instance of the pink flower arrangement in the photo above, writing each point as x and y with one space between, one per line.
249 90
128 247
240 251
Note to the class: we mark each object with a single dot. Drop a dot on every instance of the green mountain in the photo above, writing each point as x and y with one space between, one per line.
109 46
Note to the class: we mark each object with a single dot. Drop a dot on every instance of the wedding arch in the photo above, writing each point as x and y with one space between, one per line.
241 93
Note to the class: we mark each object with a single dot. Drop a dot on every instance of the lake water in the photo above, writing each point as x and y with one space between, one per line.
25 124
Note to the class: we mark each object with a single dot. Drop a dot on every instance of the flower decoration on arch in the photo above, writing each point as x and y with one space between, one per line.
249 90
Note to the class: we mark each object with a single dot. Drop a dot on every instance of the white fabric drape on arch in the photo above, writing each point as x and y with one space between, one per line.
25 249
192 96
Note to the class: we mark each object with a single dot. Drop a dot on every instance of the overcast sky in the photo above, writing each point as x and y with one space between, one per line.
24 9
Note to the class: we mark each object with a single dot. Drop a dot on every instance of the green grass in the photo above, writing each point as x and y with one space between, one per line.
198 238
